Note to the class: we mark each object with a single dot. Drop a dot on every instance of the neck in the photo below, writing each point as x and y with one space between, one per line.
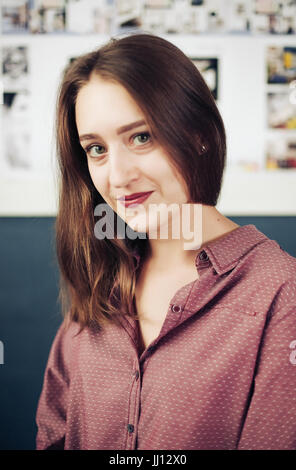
209 225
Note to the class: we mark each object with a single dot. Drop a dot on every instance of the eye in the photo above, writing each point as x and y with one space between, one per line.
146 136
94 150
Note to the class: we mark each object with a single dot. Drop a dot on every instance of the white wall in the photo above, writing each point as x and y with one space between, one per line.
242 95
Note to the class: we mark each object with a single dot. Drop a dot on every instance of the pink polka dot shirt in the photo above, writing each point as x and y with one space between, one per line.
220 375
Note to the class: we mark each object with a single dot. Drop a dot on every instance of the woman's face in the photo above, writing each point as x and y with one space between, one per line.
123 157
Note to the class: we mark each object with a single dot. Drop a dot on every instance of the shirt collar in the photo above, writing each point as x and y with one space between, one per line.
225 253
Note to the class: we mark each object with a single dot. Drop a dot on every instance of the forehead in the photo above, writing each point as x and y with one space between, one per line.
103 102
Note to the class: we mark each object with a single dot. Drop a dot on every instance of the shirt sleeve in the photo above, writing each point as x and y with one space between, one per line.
52 405
270 418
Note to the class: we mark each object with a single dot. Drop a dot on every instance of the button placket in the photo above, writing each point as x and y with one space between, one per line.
134 406
130 428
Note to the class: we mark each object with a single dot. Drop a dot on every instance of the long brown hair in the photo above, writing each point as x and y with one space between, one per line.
183 117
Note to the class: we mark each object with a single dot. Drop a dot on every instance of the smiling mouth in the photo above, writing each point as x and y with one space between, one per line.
138 199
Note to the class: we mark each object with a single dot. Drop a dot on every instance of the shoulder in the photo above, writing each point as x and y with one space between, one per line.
273 262
66 333
64 344
71 337
274 272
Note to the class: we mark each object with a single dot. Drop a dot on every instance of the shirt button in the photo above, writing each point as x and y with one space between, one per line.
203 256
136 374
176 308
130 428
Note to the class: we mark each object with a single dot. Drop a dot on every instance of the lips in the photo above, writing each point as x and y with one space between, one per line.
136 198
133 196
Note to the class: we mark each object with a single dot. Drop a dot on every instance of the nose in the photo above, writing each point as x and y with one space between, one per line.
123 169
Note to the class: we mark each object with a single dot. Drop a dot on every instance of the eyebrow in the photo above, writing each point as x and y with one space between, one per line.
119 131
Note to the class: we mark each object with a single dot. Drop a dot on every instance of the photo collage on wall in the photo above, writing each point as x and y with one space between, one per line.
55 16
158 16
33 16
16 156
281 107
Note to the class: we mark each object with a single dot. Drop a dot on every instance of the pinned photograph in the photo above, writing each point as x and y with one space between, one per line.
281 64
281 110
274 16
208 67
14 16
16 133
281 153
47 16
89 16
237 16
127 14
15 68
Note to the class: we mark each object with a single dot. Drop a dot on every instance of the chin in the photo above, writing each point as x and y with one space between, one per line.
137 225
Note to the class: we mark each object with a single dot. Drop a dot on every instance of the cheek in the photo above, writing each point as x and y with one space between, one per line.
99 180
173 183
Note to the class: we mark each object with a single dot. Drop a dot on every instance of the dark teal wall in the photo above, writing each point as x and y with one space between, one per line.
30 313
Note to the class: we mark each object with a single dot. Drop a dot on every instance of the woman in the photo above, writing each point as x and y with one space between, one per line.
163 346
